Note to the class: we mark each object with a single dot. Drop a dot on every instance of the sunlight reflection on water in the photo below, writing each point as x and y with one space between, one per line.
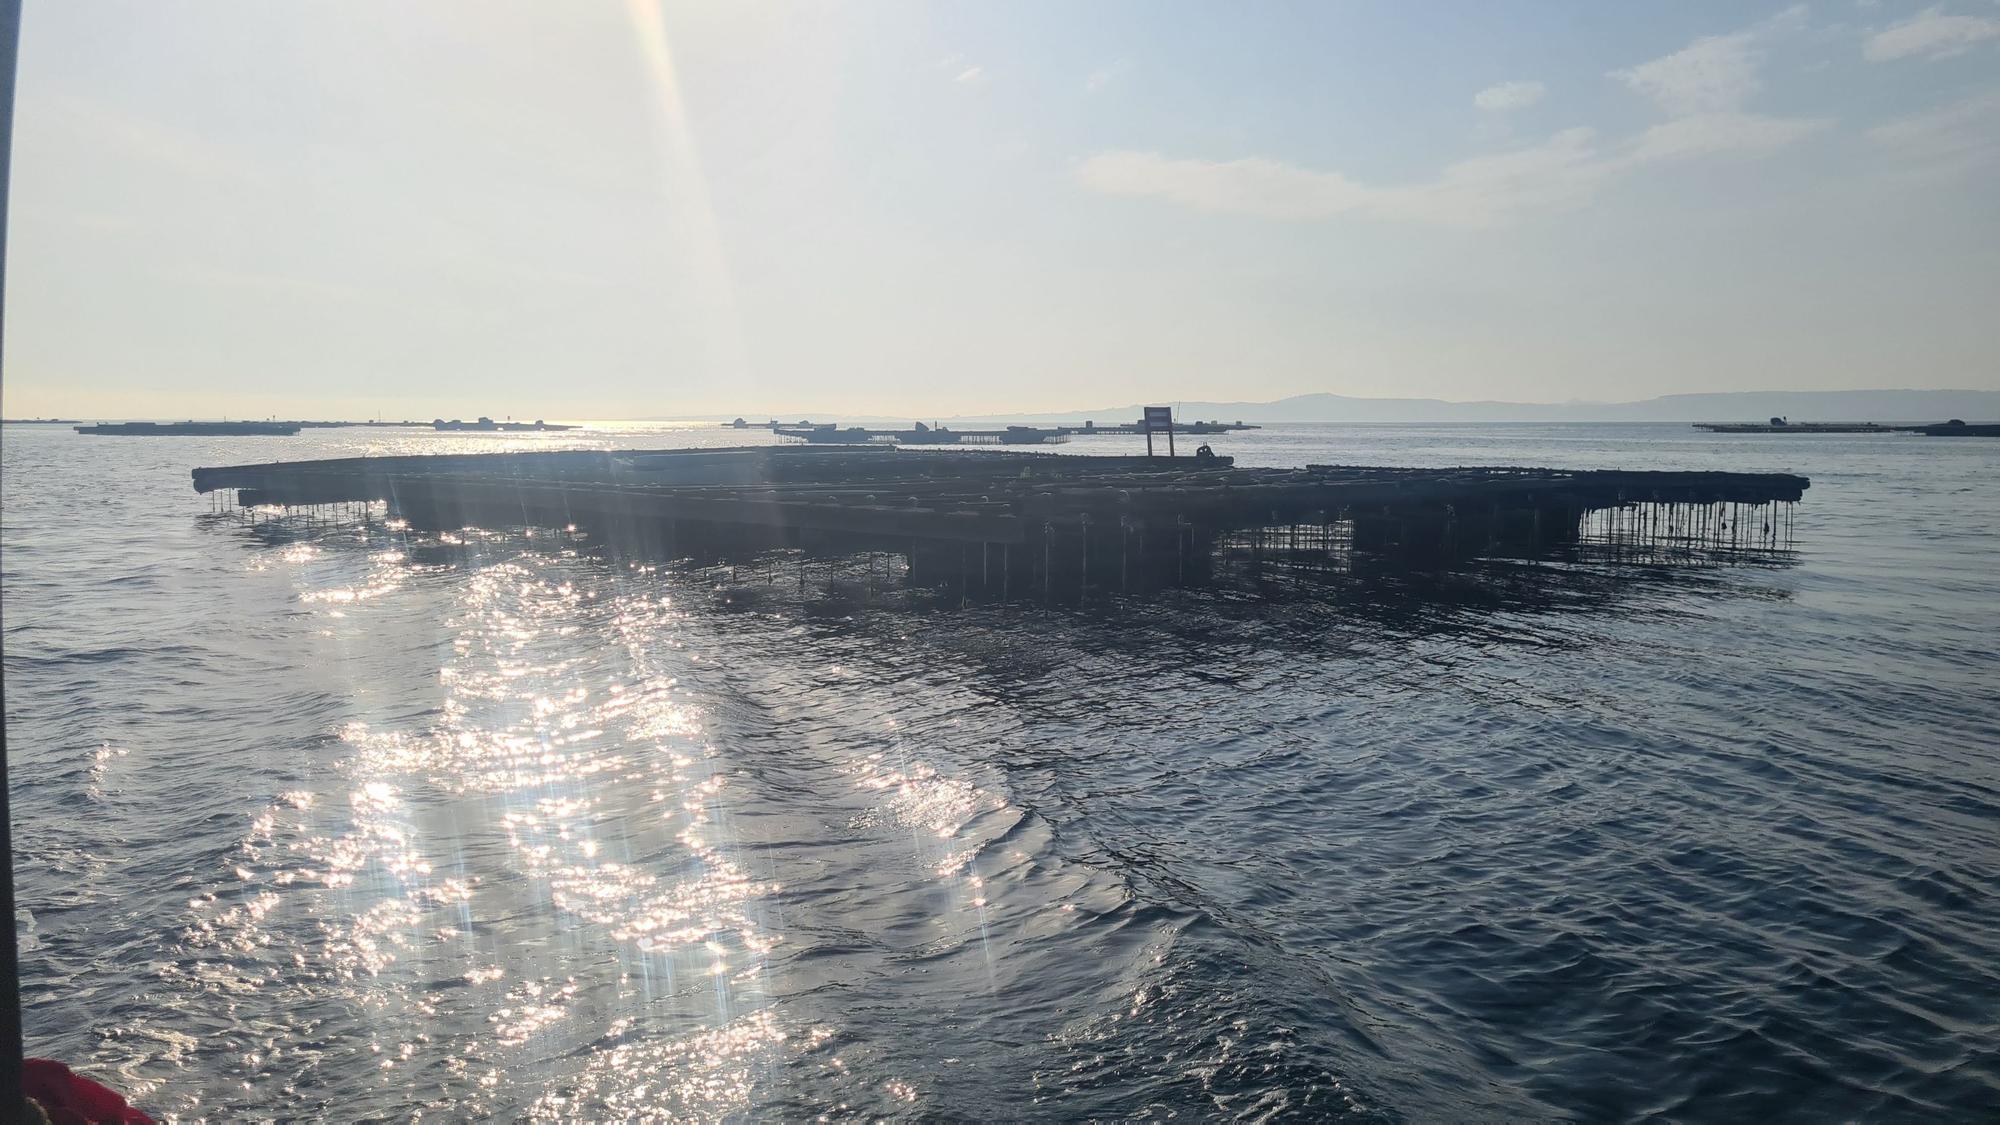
564 809
594 773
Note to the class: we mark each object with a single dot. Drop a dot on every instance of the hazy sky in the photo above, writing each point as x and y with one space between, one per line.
590 210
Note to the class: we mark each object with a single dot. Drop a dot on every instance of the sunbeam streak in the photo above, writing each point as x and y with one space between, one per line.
684 194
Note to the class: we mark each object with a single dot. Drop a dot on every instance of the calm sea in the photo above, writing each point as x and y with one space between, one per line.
347 824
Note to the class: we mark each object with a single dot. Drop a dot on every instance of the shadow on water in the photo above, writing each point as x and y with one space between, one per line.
1256 576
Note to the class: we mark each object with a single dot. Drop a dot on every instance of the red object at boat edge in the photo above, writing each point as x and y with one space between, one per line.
68 1098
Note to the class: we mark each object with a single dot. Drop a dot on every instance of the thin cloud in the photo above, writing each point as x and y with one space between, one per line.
1509 96
1713 74
1564 172
1250 186
1960 136
1702 87
970 75
1930 34
1105 76
156 142
1712 134
264 282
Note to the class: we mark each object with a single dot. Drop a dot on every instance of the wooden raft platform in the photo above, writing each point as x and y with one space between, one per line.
1029 518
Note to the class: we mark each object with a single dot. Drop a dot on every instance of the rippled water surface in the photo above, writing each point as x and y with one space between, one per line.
346 823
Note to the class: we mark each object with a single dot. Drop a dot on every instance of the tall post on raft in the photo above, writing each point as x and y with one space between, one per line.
1158 418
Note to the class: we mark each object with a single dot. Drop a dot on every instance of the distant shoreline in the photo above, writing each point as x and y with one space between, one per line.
1880 405
1883 406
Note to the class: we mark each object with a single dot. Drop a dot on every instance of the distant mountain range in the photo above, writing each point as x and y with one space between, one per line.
1742 406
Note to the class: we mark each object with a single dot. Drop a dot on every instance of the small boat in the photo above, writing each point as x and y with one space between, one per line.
1958 427
193 429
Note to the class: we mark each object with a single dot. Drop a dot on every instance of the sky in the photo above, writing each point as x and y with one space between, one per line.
351 208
